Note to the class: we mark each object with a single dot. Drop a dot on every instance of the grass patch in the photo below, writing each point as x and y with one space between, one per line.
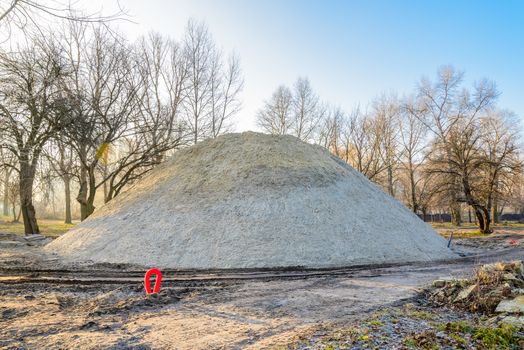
459 340
424 340
456 327
451 226
421 315
462 234
512 224
375 323
410 343
49 228
502 337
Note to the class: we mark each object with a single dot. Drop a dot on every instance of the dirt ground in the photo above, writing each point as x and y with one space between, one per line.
43 305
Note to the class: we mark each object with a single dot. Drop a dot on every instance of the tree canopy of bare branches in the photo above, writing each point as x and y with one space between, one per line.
445 145
33 109
35 15
105 111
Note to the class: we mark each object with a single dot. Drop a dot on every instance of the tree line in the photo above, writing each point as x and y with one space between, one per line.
85 110
442 146
87 106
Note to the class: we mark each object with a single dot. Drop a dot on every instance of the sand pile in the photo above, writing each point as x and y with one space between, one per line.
252 200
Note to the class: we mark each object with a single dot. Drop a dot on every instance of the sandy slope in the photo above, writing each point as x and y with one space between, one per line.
252 200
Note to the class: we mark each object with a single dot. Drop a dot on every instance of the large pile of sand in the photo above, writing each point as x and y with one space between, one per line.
252 200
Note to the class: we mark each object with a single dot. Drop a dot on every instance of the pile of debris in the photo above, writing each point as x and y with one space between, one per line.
495 289
13 240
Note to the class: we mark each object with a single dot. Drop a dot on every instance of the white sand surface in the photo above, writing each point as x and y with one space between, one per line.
252 200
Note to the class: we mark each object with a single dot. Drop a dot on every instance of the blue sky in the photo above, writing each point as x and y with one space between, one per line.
351 51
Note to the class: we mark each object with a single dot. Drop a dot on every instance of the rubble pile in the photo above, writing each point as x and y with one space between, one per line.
13 240
495 290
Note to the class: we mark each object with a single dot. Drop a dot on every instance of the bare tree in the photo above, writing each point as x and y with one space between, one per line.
113 110
444 145
455 120
213 84
363 143
61 159
413 142
128 110
13 199
331 128
226 86
8 168
35 14
501 156
386 130
275 116
298 112
201 57
438 110
308 110
103 97
32 111
156 127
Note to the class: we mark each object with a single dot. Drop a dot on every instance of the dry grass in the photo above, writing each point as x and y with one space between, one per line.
462 234
49 228
470 230
449 225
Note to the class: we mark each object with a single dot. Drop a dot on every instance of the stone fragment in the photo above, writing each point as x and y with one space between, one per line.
466 293
11 244
32 238
516 321
515 305
439 283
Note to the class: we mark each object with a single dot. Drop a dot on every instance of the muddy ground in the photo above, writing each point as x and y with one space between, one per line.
44 307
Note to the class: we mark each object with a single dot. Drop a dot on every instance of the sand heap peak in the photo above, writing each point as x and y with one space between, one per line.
252 200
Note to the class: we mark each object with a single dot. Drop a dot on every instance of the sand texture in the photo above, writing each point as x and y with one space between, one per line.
248 201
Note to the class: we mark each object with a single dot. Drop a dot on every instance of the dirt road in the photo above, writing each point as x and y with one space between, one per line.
47 308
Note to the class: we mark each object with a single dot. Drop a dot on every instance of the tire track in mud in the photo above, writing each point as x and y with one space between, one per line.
195 278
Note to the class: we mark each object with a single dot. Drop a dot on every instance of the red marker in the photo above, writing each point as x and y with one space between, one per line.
513 241
147 280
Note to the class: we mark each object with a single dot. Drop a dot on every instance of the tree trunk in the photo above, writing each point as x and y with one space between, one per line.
480 219
487 222
104 174
390 181
15 218
495 211
6 192
456 218
483 218
196 129
67 191
86 193
414 204
493 202
26 199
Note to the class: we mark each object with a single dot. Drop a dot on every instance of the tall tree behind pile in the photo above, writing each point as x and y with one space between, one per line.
298 112
473 145
100 89
32 111
213 84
